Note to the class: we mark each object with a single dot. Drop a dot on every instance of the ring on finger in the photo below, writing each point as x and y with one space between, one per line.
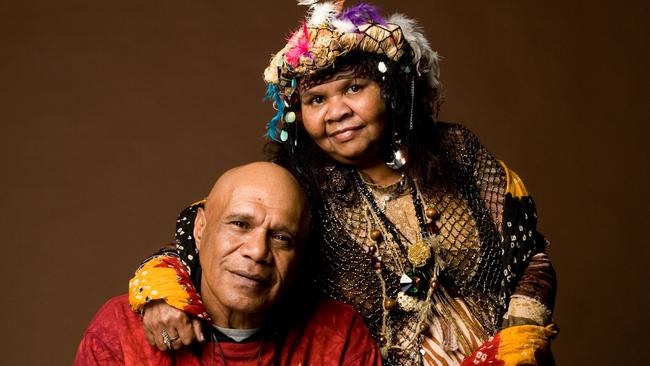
166 339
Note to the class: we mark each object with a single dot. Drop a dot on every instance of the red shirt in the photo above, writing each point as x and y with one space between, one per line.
334 335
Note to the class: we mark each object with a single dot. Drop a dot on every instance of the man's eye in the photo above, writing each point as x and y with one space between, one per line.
239 224
282 238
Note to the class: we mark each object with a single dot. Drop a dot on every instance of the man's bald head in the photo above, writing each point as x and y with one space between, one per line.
261 174
250 237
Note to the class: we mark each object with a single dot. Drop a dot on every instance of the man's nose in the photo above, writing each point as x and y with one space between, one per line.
256 247
337 109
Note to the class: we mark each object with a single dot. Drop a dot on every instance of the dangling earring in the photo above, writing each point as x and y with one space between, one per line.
398 158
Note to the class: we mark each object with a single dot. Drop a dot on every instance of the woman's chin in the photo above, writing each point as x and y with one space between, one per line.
356 160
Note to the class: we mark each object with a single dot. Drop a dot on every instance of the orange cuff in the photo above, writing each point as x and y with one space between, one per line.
516 346
165 278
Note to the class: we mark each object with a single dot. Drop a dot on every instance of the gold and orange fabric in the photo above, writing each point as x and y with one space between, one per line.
516 346
514 185
165 278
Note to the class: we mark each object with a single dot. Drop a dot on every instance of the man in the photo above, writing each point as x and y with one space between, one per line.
251 237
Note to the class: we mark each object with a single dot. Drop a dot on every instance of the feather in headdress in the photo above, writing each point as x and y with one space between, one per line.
300 46
273 94
362 14
337 3
425 58
321 14
344 25
307 2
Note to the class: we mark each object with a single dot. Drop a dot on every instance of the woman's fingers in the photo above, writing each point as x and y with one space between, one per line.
167 327
151 338
186 336
198 332
176 339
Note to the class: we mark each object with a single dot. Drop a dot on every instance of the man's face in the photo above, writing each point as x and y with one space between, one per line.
249 243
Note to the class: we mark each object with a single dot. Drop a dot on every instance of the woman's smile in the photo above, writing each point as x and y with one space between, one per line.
345 134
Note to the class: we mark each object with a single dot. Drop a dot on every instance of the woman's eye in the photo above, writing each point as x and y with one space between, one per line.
316 100
354 88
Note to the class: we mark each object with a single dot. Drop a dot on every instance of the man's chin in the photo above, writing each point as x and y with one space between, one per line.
250 301
247 305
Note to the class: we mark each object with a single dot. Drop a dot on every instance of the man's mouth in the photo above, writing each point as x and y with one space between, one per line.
254 278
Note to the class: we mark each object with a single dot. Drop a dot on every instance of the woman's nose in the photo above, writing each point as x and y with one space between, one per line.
337 109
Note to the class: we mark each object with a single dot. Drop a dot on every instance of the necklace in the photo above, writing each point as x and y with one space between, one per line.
388 193
421 293
419 252
418 282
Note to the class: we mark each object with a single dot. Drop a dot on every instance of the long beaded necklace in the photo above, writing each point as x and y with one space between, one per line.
418 282
420 290
418 253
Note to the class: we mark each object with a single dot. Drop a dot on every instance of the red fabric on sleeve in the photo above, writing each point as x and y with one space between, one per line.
116 337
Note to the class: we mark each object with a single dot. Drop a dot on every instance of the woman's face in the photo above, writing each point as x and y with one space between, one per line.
345 116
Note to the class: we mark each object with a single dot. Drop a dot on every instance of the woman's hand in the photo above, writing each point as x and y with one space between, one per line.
159 317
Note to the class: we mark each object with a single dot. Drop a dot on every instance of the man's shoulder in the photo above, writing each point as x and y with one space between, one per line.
335 334
114 312
114 337
115 323
119 303
336 316
325 305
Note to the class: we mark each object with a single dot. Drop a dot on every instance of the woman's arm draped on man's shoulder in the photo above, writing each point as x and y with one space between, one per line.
165 280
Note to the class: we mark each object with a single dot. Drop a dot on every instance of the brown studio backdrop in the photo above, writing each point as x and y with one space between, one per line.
116 114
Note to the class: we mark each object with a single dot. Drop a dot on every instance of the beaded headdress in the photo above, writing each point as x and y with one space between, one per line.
331 31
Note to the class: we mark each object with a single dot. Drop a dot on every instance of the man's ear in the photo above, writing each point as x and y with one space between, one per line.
199 227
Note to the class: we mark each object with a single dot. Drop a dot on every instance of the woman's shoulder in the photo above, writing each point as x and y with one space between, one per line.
455 133
458 144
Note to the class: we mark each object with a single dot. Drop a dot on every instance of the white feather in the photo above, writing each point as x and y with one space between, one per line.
322 13
307 2
344 26
425 59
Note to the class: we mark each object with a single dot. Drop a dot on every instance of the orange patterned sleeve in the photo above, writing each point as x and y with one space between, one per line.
165 278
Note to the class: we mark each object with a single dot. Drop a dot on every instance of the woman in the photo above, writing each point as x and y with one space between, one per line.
431 238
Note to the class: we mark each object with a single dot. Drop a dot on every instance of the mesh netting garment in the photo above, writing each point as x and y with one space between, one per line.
478 269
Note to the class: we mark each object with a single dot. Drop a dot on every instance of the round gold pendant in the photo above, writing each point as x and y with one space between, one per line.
419 253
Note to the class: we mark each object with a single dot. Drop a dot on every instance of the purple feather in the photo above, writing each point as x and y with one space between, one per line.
361 14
